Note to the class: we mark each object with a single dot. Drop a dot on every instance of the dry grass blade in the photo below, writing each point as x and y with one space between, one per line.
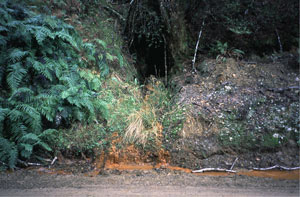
137 131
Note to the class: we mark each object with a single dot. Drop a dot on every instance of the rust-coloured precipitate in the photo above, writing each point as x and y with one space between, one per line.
275 174
130 158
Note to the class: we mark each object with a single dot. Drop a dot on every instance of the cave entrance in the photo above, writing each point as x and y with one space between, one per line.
152 59
148 39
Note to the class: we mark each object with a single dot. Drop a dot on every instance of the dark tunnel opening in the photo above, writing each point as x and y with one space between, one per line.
148 35
151 59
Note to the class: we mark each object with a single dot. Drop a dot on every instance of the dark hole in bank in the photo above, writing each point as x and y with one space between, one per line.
152 59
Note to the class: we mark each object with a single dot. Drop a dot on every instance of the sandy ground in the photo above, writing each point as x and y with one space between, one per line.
142 183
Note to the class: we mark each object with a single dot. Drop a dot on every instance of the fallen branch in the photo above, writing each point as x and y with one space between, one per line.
29 163
197 45
277 166
233 163
213 170
34 164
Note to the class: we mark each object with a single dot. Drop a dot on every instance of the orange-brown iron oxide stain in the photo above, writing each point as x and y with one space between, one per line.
275 174
130 158
121 166
179 169
213 174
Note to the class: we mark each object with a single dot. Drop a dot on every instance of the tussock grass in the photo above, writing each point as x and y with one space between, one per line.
136 111
143 125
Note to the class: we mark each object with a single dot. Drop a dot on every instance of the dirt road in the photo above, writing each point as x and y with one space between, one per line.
142 183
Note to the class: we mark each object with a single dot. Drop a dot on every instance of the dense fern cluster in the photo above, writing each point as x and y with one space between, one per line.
43 83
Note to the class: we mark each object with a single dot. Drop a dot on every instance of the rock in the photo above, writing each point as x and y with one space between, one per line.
292 143
204 147
192 149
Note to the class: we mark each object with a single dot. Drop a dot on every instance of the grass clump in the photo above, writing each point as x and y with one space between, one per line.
140 113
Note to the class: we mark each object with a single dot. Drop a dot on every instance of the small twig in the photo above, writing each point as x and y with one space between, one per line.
53 161
197 45
277 166
131 2
213 169
165 59
233 163
279 41
196 104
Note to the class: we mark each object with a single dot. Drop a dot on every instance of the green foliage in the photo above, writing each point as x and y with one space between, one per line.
81 139
252 26
8 153
222 51
173 120
42 79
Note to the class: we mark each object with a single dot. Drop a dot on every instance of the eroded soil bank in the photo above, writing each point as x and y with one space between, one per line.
245 109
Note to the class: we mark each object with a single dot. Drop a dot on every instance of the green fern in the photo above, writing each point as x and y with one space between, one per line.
42 81
15 76
8 153
31 117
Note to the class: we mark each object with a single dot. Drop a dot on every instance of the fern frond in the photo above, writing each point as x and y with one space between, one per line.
64 35
29 138
44 146
33 118
52 22
25 149
14 23
102 43
3 40
46 105
15 76
41 33
18 129
3 113
47 132
15 115
28 141
15 55
22 94
8 152
42 69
